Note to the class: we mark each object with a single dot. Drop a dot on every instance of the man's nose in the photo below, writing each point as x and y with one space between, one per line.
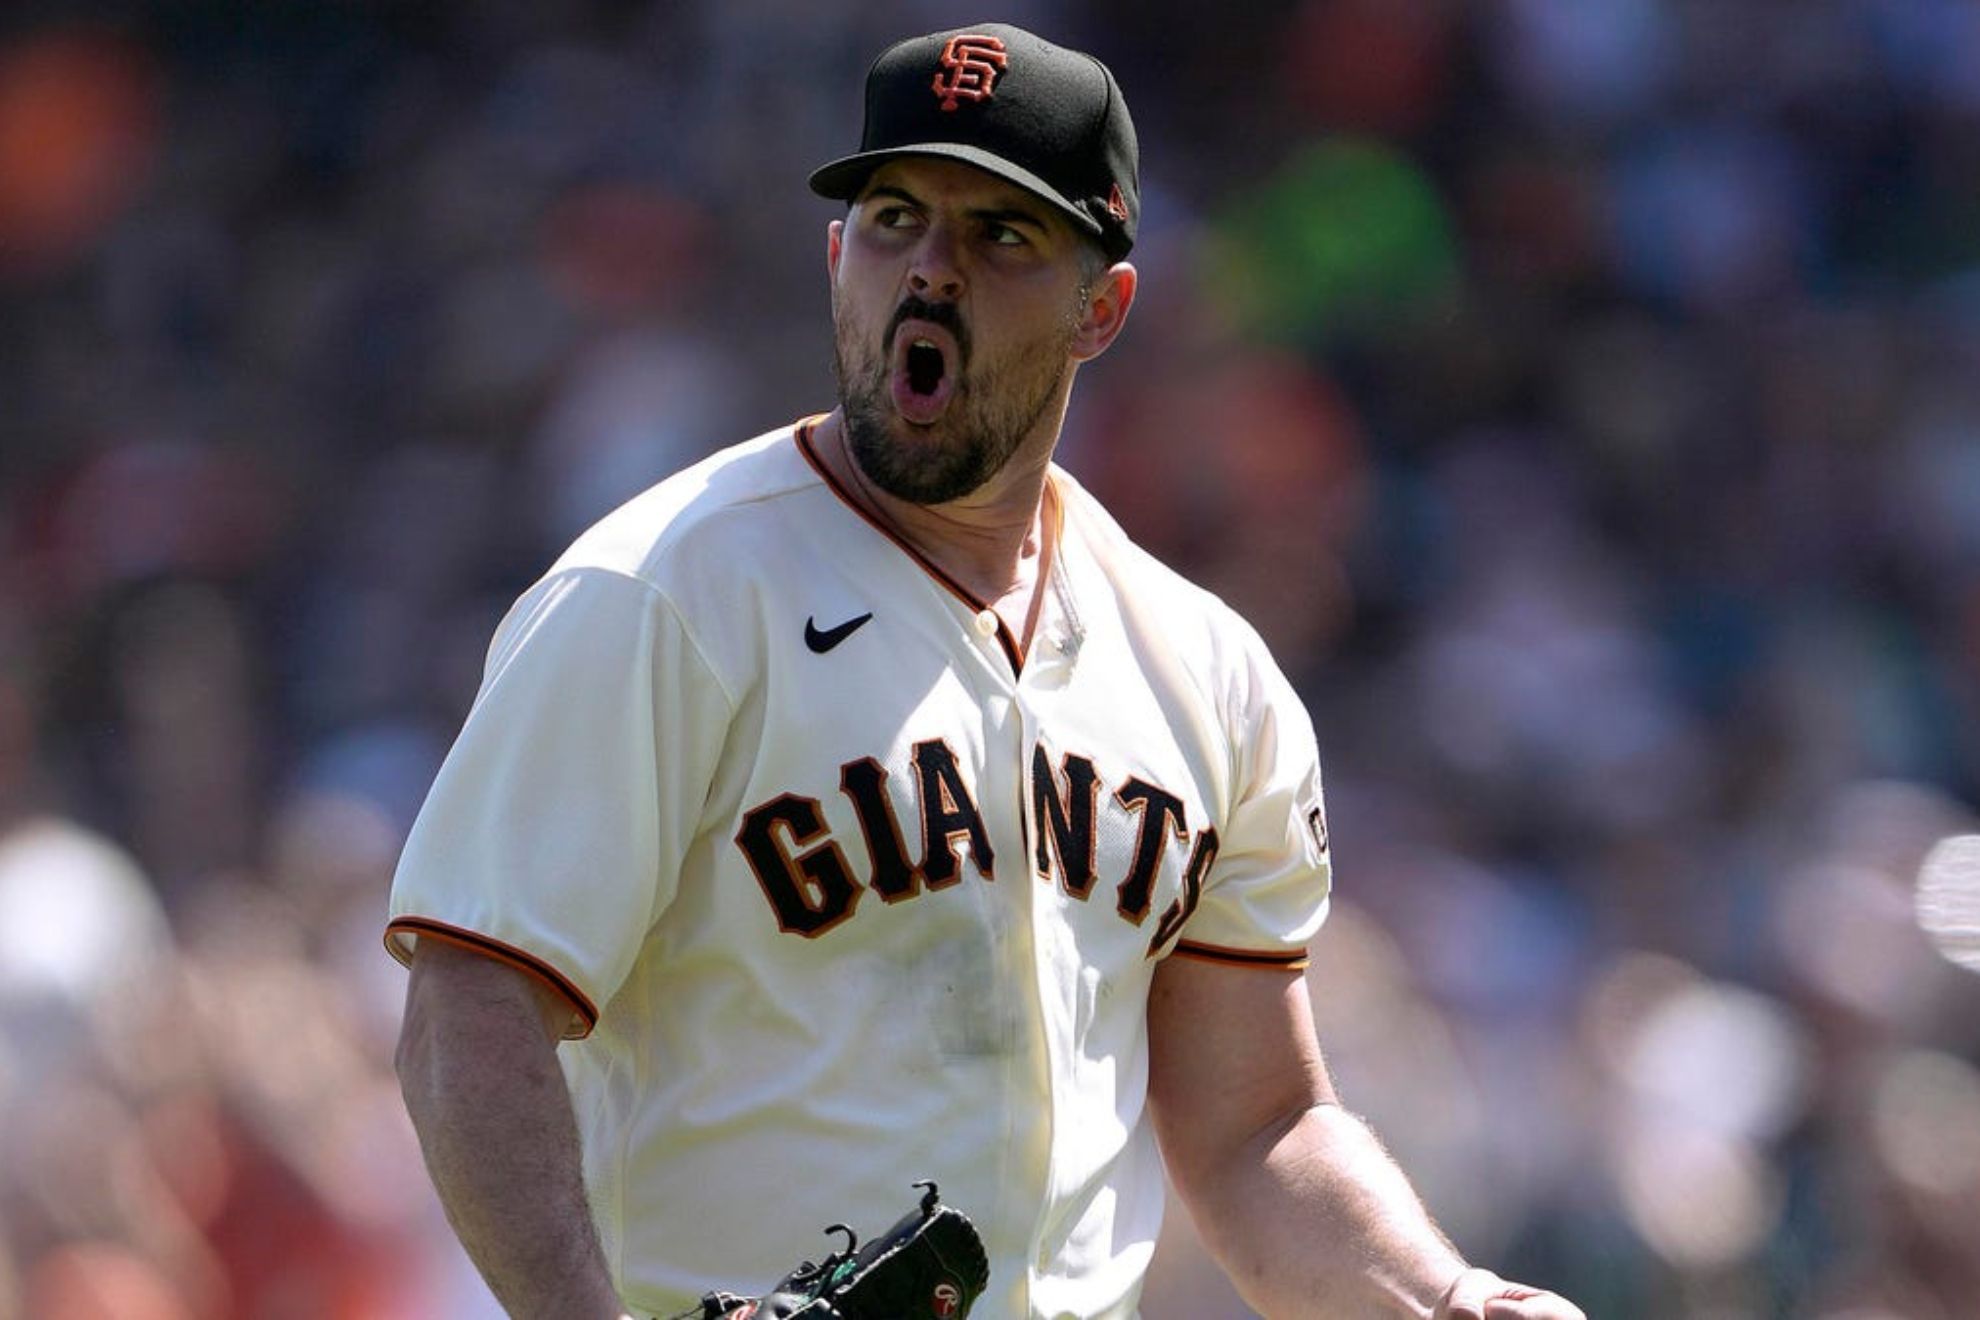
935 273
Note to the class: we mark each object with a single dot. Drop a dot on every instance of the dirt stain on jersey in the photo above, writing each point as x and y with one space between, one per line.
953 985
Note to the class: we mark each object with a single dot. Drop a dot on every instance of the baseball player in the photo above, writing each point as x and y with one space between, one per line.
860 806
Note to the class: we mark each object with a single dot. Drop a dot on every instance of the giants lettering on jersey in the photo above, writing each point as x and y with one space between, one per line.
811 888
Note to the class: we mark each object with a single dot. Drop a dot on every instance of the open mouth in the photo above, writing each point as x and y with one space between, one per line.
924 367
924 373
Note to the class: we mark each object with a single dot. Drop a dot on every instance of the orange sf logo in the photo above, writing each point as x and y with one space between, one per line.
970 66
947 1298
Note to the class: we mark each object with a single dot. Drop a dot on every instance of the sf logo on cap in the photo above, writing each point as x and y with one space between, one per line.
970 66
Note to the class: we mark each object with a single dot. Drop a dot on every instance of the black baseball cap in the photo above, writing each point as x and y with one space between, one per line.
1048 119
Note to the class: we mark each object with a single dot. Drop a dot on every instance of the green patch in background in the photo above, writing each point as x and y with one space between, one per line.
1348 240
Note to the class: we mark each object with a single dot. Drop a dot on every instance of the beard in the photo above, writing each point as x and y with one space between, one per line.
995 406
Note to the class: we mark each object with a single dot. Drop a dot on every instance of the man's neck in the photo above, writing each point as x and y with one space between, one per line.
989 542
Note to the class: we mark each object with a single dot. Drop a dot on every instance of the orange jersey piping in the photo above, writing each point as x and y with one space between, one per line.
476 942
1012 650
1291 960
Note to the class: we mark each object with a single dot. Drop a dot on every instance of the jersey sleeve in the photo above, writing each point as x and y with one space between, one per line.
1266 893
553 835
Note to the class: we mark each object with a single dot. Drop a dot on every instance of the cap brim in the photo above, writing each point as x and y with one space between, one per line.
842 179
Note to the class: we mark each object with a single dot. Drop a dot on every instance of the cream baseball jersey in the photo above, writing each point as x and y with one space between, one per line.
847 890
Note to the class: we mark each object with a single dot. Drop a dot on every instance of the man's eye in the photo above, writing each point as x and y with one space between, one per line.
1005 235
894 217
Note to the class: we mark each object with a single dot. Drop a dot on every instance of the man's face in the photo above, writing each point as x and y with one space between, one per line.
957 302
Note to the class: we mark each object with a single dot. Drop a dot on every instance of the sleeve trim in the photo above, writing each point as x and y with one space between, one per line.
399 935
1291 960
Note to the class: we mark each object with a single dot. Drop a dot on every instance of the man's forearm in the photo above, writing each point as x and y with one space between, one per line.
1318 1221
481 1082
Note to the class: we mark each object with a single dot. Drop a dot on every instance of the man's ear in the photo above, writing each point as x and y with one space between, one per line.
835 241
1106 311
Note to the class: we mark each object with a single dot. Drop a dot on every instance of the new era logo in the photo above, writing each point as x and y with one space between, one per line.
970 66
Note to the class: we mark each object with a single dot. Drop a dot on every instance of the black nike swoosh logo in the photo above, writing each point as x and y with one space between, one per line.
821 642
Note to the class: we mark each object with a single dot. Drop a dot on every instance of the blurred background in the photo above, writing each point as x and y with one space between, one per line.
1583 396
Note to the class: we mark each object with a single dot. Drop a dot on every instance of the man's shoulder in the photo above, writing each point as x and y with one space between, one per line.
648 535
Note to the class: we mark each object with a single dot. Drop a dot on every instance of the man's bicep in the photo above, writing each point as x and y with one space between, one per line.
449 979
1231 1055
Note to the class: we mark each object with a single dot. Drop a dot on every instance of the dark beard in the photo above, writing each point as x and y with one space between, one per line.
985 433
920 474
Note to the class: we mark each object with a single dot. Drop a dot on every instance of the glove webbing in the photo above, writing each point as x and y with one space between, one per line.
930 1264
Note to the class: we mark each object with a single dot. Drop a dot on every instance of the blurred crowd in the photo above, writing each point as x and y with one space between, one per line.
1583 397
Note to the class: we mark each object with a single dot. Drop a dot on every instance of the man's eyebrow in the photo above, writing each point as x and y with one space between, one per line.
889 190
1012 215
1008 213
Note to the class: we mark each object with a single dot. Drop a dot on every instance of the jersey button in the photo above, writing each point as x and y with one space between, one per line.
986 623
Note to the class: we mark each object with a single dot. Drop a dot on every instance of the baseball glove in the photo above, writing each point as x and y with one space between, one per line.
929 1266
